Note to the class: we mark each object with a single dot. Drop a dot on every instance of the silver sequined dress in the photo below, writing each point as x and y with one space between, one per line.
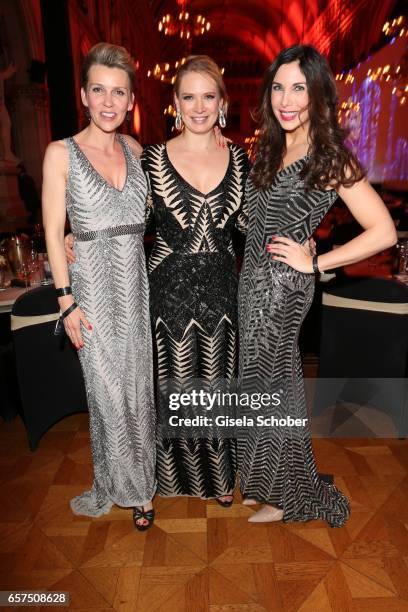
276 463
109 282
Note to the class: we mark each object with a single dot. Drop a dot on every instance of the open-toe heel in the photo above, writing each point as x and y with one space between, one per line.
225 503
139 513
248 501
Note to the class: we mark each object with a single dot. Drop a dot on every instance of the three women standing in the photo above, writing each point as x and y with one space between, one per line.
196 194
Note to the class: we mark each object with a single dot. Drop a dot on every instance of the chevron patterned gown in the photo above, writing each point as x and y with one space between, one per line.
109 282
193 286
276 464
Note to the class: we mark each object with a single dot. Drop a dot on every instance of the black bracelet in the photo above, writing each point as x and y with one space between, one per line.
59 327
315 266
69 310
61 291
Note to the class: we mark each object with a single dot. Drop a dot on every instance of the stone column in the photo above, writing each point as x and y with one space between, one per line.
12 211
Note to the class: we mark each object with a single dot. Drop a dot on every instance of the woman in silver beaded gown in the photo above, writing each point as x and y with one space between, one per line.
111 325
301 165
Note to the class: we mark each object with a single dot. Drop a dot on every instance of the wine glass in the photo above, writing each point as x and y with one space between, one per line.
402 247
34 265
24 270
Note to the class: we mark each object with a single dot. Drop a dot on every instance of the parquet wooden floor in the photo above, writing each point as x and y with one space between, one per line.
199 556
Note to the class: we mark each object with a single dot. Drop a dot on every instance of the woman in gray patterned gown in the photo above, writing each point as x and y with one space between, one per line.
97 178
301 166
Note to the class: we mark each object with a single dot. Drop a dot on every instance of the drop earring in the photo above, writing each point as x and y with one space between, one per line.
221 117
178 121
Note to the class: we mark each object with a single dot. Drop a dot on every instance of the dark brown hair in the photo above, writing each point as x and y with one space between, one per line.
112 56
329 162
205 65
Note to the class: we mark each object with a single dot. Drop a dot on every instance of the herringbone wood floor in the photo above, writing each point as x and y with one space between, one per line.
199 556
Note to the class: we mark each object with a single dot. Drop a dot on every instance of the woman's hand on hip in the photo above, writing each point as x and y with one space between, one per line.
297 256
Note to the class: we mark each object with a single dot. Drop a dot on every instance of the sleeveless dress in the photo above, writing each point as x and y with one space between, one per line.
193 288
109 283
276 463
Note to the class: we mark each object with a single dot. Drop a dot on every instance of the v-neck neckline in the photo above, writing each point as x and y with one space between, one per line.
299 159
180 176
123 146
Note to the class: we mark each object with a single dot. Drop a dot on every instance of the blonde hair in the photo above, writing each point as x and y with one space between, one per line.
112 56
205 65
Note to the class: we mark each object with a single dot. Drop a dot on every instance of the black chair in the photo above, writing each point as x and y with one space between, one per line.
363 355
10 404
48 370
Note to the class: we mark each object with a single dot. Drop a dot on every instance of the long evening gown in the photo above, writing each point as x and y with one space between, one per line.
277 465
193 288
109 283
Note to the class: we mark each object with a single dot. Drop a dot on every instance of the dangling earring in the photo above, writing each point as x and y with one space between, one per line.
178 121
221 117
87 113
128 115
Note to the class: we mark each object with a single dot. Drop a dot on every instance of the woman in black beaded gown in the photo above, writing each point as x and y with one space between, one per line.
300 167
196 198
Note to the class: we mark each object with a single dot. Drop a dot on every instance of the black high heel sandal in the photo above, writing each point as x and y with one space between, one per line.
139 513
224 503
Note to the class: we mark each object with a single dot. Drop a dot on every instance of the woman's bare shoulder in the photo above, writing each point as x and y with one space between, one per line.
134 145
56 155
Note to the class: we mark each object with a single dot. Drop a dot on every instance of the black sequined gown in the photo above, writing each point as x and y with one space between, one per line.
276 464
193 290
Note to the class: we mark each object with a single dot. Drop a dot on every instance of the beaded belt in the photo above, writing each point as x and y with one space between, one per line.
111 232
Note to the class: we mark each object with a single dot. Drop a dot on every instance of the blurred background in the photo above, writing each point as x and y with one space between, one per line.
43 42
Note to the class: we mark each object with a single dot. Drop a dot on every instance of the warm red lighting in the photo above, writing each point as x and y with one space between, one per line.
85 45
183 23
136 119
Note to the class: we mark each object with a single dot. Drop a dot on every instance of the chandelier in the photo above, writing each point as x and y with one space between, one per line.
396 27
346 108
394 74
185 24
166 71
